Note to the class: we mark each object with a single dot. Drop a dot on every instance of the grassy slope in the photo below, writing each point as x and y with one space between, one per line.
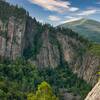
85 27
95 49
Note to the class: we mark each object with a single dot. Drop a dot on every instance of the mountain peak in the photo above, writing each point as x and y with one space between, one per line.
86 27
81 21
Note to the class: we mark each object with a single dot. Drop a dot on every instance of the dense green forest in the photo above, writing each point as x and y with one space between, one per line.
20 78
7 10
44 92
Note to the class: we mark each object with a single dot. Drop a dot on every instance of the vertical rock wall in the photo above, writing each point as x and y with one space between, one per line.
11 39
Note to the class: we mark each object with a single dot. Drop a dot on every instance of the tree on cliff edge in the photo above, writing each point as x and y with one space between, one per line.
44 92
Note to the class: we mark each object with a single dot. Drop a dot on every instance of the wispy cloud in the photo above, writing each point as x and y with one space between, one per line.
55 5
71 19
73 9
80 14
54 18
52 5
87 12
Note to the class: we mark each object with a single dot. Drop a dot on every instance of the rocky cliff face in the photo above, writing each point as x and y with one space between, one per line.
85 64
95 93
49 55
89 68
11 37
45 46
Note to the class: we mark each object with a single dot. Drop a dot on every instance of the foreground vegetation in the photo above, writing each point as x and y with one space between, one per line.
20 78
44 92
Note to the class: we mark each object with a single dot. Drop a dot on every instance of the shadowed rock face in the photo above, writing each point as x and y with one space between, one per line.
94 94
49 54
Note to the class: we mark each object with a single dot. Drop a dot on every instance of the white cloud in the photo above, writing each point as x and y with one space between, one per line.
52 5
87 12
55 5
54 18
73 9
69 17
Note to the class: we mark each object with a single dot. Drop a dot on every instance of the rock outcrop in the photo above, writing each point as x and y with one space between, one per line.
49 54
67 95
89 68
11 37
85 64
95 93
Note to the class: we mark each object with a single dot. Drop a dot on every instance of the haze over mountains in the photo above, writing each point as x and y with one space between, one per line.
86 27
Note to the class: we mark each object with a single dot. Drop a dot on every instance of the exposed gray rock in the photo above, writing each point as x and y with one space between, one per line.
86 65
11 37
66 95
89 69
49 55
94 94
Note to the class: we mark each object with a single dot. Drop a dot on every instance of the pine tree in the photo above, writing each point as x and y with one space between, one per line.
44 92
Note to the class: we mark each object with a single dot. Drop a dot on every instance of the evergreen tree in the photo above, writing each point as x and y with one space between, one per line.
44 92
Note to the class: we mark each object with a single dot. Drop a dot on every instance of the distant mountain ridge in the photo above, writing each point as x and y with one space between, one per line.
86 27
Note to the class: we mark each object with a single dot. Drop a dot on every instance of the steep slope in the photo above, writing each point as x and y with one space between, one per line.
44 45
94 94
85 27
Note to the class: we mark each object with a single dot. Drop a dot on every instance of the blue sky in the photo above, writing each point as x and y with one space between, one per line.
57 12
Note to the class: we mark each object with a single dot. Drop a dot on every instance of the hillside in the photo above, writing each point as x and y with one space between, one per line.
85 27
31 53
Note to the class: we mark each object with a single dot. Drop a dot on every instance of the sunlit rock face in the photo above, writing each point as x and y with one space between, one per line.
11 36
49 55
86 65
94 94
89 68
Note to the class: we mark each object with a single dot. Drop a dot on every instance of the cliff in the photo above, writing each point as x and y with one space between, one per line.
44 45
12 29
95 93
11 44
89 68
82 60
